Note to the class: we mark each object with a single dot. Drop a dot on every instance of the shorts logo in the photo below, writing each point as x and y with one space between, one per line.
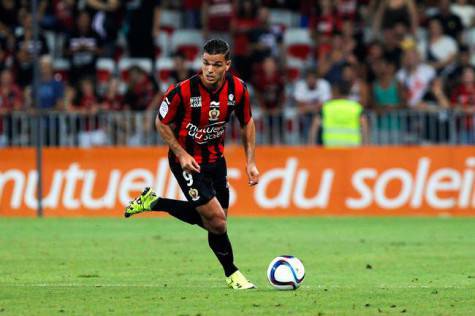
193 193
214 114
195 102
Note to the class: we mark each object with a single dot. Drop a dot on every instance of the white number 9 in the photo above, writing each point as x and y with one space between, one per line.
188 177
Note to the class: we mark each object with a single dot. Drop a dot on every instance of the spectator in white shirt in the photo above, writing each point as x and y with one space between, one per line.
310 93
414 76
442 49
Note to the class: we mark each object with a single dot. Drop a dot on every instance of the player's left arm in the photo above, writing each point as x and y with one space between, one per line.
248 135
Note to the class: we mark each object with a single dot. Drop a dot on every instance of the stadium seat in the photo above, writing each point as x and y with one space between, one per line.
162 45
61 68
126 63
105 68
283 18
297 43
170 20
293 69
163 68
188 42
469 40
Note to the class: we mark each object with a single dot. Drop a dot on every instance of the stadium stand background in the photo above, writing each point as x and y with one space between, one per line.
104 65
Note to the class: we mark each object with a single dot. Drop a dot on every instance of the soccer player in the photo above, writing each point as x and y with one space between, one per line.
191 120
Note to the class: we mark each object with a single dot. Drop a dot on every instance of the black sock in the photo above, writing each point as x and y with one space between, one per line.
184 211
221 247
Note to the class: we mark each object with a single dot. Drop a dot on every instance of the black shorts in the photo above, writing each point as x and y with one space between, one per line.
200 188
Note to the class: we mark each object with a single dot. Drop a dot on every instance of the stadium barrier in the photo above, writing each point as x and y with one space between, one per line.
127 128
295 181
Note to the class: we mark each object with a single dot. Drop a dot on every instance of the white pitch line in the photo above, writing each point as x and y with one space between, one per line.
210 286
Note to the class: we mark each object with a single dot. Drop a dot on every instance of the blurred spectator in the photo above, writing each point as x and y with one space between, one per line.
465 11
83 47
243 23
269 88
442 49
395 16
64 12
141 90
180 71
358 87
386 91
50 90
11 99
325 21
112 99
8 16
463 99
3 53
331 65
87 105
265 40
341 121
105 17
192 14
143 24
462 61
435 127
11 96
414 76
310 93
216 17
375 52
451 23
25 49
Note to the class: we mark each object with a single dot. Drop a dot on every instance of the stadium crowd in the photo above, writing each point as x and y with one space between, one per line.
110 55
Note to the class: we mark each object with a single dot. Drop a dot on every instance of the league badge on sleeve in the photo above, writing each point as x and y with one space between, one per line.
164 107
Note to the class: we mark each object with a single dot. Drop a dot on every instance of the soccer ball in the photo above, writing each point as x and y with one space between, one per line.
286 273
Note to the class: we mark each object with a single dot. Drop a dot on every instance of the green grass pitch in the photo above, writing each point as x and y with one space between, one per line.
160 266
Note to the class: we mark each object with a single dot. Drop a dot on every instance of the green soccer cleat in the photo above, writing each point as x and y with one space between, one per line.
238 281
142 203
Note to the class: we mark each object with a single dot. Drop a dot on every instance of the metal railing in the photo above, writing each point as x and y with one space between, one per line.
137 128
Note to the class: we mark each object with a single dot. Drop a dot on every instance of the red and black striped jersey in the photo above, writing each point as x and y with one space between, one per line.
198 116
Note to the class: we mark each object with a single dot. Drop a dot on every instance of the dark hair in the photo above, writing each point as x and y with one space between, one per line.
217 46
343 87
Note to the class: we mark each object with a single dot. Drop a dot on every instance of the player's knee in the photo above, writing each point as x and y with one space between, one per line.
217 224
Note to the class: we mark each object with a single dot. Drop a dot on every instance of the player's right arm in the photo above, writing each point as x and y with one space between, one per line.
166 115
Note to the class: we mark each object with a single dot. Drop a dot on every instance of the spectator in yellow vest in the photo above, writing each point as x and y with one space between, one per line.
341 122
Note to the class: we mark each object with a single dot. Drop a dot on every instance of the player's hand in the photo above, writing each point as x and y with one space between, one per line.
188 163
252 174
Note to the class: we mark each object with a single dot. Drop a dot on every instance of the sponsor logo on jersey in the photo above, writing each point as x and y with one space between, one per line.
206 134
164 107
231 101
195 102
214 104
193 193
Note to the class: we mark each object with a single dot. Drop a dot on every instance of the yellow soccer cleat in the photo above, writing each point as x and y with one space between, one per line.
238 281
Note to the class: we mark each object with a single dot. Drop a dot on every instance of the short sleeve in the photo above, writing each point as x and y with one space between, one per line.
243 110
169 105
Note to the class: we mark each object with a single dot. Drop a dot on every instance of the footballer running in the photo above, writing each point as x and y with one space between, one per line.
191 120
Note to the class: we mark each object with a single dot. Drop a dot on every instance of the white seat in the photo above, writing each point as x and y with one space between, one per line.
298 43
61 68
163 68
188 41
286 18
170 20
105 68
162 45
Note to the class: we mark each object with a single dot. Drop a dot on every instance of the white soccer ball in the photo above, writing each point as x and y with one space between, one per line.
286 273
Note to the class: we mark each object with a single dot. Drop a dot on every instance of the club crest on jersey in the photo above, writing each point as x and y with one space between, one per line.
214 114
195 102
193 193
231 101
